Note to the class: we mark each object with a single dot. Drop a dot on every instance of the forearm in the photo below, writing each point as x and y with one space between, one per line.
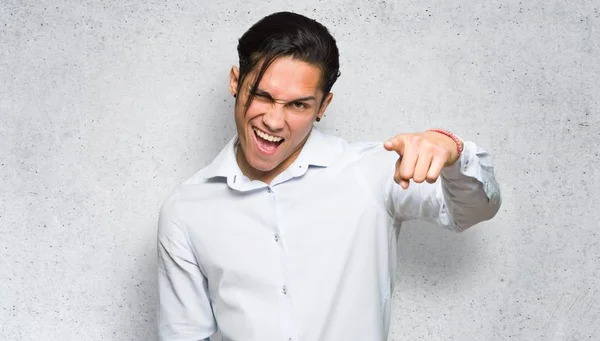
470 190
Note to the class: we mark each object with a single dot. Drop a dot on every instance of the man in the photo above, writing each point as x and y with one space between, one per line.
290 233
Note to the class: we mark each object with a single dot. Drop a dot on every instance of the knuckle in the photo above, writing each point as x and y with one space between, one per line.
431 179
434 146
442 151
405 174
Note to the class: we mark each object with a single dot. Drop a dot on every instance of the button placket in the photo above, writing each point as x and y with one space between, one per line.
284 291
276 236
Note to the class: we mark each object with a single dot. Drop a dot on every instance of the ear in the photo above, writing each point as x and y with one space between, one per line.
234 76
324 105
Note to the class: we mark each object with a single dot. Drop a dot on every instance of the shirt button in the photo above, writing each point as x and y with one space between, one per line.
269 190
276 236
284 290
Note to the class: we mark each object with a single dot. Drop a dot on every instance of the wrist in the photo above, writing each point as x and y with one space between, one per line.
458 141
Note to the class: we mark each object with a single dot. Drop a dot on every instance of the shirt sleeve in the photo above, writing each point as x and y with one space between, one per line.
466 193
184 312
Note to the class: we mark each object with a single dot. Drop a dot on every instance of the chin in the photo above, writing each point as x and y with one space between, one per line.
263 166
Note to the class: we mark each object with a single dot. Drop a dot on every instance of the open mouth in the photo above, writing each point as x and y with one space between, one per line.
267 143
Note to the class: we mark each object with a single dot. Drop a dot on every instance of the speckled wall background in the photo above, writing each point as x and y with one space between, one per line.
107 106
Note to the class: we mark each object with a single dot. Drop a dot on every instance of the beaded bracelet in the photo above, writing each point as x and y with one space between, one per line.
459 142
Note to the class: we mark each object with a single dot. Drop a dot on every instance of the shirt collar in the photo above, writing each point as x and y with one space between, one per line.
317 151
224 164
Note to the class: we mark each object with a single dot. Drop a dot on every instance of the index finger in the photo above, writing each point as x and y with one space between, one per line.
396 144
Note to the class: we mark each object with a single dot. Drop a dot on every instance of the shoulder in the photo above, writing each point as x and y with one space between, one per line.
356 151
372 154
184 192
373 164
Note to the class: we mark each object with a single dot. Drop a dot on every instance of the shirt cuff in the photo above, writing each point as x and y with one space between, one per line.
474 163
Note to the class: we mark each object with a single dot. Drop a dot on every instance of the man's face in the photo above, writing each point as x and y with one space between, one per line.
274 128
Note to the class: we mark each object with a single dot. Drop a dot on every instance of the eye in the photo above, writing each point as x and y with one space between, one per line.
299 105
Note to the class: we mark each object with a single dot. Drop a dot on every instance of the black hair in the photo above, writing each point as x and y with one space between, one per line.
286 34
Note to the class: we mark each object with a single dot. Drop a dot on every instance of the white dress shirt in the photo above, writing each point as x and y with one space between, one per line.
310 257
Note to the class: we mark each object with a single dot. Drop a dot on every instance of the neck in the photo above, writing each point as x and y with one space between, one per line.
253 173
268 176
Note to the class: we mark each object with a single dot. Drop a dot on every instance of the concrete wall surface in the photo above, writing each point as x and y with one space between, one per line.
106 106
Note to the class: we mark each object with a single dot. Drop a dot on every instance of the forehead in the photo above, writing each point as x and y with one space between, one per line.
288 78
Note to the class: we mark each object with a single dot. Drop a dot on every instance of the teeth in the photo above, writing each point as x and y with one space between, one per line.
267 136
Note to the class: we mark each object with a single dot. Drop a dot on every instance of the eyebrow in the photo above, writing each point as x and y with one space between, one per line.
264 93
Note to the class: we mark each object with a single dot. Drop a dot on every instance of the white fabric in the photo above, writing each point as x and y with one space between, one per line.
312 257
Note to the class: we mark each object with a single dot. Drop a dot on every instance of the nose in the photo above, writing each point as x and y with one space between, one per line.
274 118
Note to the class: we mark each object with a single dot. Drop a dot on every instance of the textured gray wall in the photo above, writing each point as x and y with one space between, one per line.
106 106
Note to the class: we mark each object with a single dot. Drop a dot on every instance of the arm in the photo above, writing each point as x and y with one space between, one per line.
465 193
185 312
